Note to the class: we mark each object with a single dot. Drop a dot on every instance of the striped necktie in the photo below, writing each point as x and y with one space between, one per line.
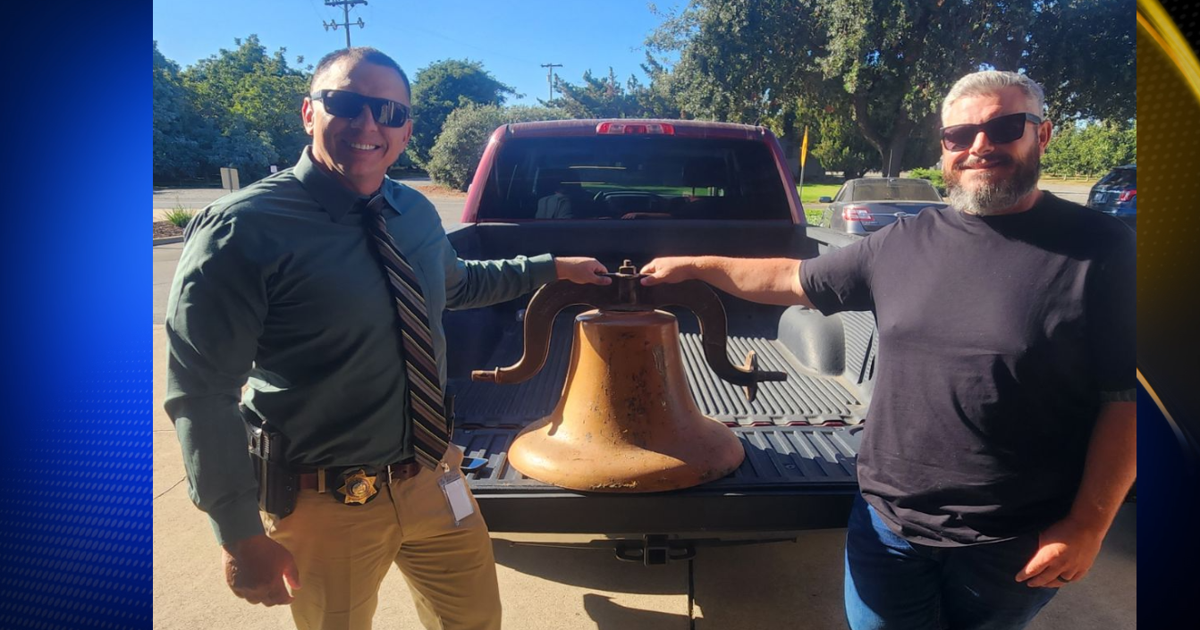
427 405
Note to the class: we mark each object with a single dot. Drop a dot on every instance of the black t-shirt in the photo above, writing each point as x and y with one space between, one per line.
997 336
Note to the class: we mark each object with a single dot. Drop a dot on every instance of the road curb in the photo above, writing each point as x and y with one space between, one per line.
168 240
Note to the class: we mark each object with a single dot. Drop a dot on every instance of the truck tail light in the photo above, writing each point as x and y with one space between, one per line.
619 128
856 213
1127 195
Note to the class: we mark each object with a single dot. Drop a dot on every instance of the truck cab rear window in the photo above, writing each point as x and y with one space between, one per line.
643 177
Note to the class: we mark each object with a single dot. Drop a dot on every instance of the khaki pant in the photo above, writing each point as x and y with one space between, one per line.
344 551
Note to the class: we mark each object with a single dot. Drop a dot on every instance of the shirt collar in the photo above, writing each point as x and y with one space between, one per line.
334 198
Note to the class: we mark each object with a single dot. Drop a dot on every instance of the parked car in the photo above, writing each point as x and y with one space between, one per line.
869 203
1116 194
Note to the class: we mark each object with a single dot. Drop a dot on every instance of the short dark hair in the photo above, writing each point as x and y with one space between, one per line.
357 54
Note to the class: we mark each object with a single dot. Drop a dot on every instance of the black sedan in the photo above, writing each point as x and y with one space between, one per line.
869 203
1116 194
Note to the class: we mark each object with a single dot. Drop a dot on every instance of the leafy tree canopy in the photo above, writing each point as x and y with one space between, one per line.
176 152
249 104
442 87
238 108
886 64
607 98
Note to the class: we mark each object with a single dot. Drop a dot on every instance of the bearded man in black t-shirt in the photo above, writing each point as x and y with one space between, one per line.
1001 436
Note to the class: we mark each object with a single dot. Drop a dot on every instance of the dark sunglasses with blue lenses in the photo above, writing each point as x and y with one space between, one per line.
349 105
999 130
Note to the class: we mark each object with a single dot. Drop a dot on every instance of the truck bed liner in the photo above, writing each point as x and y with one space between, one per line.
775 457
803 399
785 444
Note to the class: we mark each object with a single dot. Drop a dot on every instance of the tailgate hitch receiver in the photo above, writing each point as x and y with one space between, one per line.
655 550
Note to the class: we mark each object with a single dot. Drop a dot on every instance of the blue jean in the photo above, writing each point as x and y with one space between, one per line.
892 584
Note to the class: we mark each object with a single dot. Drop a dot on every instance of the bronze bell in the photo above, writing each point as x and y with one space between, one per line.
626 421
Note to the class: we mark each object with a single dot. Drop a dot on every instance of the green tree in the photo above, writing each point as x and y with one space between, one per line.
460 146
1090 150
605 97
442 87
658 99
889 61
176 152
1082 53
248 107
839 146
594 98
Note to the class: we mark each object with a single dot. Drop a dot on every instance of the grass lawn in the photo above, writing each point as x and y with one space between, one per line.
813 211
811 192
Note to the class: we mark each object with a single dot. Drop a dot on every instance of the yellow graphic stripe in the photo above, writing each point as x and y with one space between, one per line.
1157 23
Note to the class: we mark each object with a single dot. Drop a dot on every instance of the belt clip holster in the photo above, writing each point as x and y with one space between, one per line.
277 483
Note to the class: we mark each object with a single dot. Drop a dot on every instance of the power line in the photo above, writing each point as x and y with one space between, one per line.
346 5
314 10
550 75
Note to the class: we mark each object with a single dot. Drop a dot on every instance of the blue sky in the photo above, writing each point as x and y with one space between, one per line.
512 39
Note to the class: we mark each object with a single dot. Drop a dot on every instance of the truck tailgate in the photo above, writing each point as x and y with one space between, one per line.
793 478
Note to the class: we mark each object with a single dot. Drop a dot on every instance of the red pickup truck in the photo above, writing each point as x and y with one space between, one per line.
634 190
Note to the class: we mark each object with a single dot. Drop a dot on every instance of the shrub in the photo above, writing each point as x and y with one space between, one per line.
932 174
459 147
1090 149
179 216
817 217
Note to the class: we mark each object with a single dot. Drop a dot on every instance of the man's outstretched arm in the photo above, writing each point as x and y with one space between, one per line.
762 280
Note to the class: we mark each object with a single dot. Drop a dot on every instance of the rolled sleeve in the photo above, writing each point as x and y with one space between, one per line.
215 315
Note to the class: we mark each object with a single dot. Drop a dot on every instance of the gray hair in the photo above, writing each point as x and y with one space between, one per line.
992 81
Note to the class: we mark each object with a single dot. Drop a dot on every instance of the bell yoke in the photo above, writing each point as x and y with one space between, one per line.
626 421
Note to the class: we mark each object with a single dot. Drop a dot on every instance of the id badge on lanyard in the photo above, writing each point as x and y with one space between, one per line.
455 488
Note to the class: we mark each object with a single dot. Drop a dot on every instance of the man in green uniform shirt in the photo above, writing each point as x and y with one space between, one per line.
280 288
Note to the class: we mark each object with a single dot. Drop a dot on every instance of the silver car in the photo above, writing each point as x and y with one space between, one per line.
869 203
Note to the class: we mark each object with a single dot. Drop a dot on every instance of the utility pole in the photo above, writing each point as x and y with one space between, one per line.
346 5
550 76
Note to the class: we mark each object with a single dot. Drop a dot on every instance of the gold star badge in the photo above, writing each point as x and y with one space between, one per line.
359 487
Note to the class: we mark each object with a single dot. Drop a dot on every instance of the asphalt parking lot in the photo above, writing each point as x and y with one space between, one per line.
778 585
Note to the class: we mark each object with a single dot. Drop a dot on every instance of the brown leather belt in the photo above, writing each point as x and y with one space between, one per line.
391 473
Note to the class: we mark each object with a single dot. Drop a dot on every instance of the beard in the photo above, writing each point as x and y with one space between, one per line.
993 193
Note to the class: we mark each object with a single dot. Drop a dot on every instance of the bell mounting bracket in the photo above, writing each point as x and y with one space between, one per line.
627 294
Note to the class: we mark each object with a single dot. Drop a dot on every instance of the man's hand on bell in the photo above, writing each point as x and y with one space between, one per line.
257 568
668 269
581 270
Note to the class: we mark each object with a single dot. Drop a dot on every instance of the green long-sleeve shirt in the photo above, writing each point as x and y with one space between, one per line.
277 288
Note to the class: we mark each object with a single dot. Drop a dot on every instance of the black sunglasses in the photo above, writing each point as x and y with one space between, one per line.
999 130
349 105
